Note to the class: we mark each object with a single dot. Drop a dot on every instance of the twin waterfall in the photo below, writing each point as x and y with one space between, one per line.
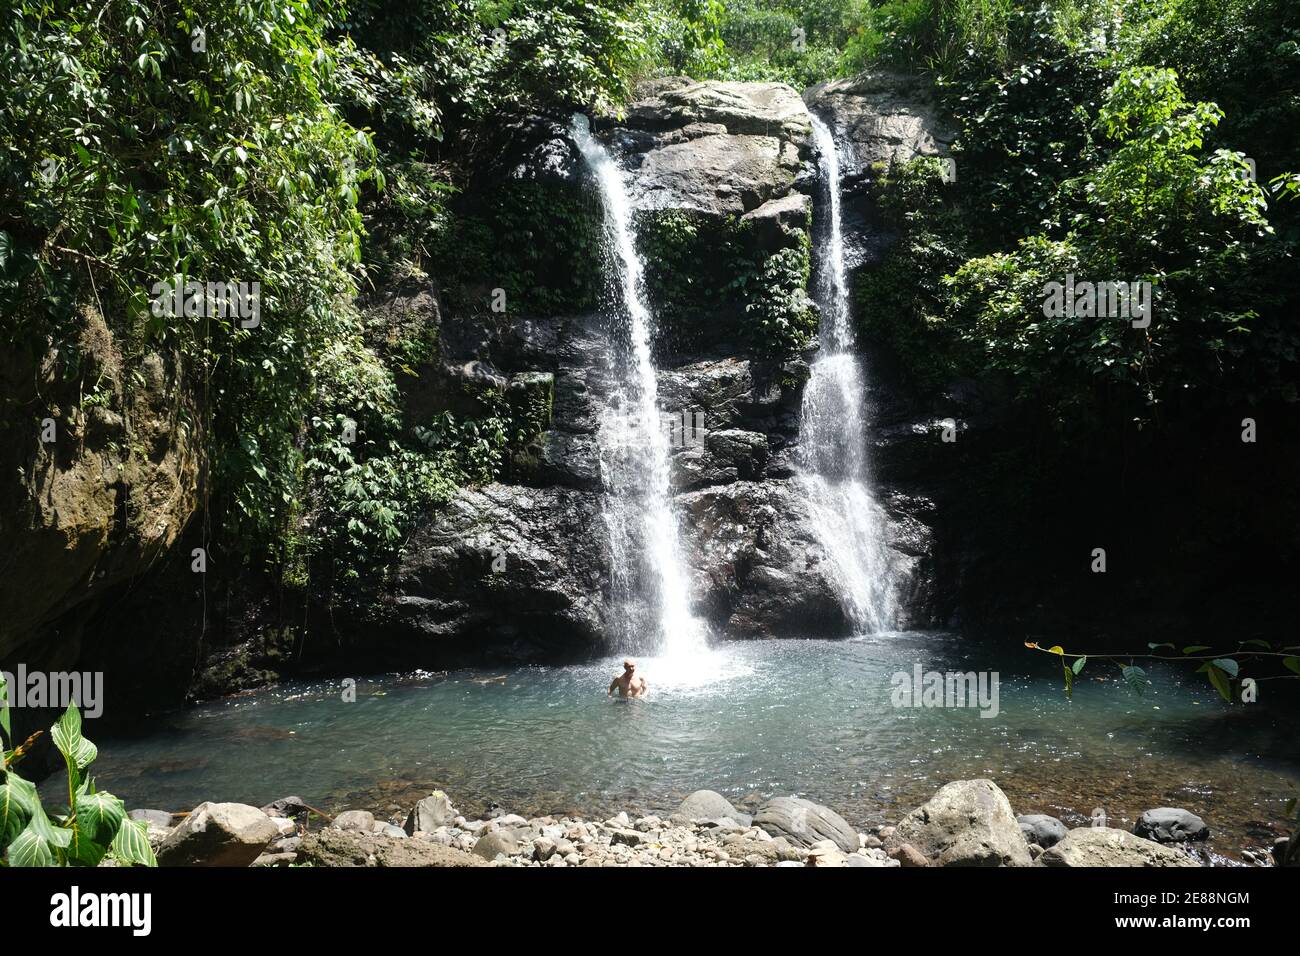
846 520
634 441
650 575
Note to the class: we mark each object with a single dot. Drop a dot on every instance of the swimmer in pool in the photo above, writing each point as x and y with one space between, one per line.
628 683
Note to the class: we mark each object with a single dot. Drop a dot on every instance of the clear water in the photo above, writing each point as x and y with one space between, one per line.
634 442
846 520
774 717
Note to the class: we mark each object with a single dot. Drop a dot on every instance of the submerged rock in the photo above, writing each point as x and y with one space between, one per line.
1041 829
967 823
1171 825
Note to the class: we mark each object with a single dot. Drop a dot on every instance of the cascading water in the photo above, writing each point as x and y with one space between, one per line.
634 444
846 520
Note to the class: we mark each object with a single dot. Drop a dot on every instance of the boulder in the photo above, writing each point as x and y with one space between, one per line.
710 805
967 823
155 818
330 847
1104 846
490 845
1041 829
1171 825
805 823
429 814
218 834
355 820
716 148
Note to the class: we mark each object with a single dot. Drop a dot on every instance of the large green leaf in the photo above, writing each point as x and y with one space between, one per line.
30 849
17 803
131 845
66 734
99 815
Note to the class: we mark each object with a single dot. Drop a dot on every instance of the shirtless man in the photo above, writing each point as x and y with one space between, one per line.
628 684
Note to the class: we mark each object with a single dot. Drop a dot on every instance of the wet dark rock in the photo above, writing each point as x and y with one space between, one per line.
1171 825
1042 829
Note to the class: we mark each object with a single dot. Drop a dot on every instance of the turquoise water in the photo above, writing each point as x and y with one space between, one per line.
756 718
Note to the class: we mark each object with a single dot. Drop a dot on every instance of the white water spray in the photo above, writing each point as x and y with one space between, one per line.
846 520
646 555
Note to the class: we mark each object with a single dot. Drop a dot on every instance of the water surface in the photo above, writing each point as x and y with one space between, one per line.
755 719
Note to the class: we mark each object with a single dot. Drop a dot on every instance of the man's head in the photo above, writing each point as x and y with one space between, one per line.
629 666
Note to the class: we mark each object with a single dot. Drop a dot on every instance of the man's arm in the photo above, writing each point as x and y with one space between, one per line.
612 685
641 691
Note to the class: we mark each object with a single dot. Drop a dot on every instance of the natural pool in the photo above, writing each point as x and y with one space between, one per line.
755 719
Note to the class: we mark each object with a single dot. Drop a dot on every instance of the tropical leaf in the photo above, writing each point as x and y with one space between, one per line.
1135 677
1078 664
17 803
131 845
1227 665
99 816
1291 663
66 734
1196 648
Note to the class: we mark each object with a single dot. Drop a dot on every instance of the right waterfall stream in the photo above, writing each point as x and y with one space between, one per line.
847 521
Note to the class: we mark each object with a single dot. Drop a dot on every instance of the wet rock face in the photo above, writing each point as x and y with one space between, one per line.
100 477
506 566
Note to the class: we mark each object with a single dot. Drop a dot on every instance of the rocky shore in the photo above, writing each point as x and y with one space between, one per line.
966 823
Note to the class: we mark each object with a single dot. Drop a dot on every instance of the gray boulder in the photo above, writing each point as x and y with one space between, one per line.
717 148
805 823
1171 825
429 814
490 845
1104 846
967 823
710 805
354 820
155 818
1041 829
218 834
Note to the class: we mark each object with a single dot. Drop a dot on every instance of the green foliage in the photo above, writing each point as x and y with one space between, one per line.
537 241
1159 210
779 316
710 281
902 302
92 826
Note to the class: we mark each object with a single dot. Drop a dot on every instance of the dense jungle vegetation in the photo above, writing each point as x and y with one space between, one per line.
319 148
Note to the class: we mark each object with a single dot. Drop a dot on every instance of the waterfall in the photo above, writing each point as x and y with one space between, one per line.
634 443
833 470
